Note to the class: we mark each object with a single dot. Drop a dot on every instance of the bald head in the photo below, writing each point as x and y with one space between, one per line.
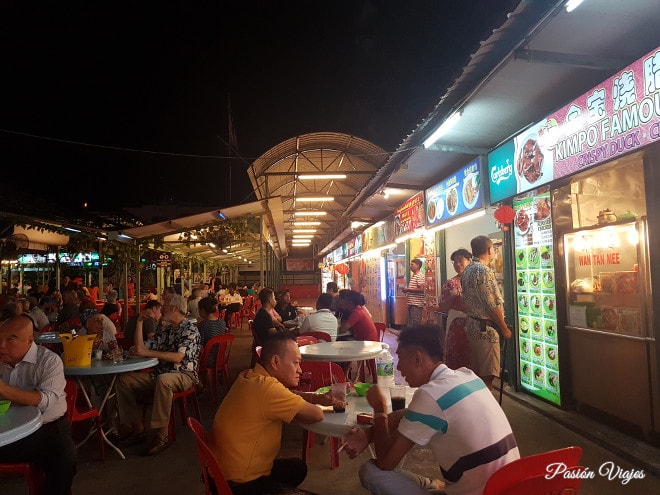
16 336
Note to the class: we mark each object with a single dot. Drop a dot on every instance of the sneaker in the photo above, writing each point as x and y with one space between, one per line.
157 445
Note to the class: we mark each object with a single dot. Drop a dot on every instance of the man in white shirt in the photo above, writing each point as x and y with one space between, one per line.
231 302
324 319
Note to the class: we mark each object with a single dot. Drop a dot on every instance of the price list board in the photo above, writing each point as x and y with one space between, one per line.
536 296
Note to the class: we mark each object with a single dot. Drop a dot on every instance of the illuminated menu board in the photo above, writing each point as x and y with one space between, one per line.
536 297
459 193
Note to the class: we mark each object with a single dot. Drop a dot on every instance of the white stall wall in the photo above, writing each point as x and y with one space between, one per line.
459 236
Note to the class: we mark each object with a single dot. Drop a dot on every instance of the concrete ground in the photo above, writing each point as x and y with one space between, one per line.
538 427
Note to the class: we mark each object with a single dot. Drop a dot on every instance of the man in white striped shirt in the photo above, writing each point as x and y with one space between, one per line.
415 292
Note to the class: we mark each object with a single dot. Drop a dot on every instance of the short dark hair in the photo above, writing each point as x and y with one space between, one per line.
332 287
275 346
352 296
324 301
153 304
424 337
480 245
264 295
417 261
208 304
461 253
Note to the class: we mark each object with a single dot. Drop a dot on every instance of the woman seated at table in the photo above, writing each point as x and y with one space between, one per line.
357 323
265 324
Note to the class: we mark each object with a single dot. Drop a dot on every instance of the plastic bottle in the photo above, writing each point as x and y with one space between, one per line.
385 369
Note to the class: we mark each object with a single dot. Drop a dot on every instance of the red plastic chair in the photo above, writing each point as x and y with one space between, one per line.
255 343
527 475
31 472
75 415
183 398
319 373
321 336
209 376
211 472
381 327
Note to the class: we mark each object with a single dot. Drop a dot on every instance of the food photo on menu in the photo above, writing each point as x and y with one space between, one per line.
533 163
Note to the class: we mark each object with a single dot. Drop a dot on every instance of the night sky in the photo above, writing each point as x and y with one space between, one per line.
159 76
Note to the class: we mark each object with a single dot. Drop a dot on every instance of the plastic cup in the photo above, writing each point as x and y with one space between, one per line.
398 397
338 391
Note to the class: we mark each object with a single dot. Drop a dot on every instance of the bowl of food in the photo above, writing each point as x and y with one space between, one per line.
4 406
361 388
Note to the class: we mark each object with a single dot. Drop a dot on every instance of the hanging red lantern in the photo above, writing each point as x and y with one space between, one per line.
342 268
504 214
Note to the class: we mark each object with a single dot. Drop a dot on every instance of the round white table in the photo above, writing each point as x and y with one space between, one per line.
18 422
343 351
107 367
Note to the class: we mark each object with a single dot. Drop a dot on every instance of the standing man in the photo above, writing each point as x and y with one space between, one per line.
484 306
332 289
177 347
32 375
415 292
451 412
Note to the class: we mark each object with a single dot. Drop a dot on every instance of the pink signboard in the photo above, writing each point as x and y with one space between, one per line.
620 115
409 216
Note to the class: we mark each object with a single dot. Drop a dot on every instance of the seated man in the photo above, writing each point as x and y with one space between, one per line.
149 325
284 307
247 430
32 375
356 320
177 346
265 324
323 320
231 302
452 411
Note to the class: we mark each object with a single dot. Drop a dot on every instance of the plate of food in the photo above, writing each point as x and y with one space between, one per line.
452 200
524 346
553 380
534 279
551 352
522 222
524 325
470 190
536 327
549 303
610 318
542 207
521 258
533 257
548 279
522 280
431 210
529 160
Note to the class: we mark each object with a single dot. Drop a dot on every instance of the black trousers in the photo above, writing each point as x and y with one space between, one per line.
52 449
285 476
229 310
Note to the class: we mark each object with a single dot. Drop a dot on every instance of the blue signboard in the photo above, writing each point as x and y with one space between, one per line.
455 195
501 174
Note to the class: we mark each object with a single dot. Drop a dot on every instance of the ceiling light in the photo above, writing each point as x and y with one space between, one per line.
306 223
571 5
304 236
444 127
309 213
301 244
315 198
304 231
321 176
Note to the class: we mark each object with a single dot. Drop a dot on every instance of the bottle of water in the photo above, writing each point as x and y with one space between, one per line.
385 369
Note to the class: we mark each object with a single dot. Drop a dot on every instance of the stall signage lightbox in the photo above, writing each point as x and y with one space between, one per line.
455 195
80 259
536 296
616 117
409 216
373 237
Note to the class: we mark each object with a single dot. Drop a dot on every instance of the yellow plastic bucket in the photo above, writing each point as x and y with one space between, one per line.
78 351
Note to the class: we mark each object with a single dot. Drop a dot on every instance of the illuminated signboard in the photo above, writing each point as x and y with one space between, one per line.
616 117
459 193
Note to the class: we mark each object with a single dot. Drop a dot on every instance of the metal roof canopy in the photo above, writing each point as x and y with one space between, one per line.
540 59
277 173
247 246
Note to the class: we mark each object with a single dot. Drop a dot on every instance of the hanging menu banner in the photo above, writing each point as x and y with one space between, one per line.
409 216
535 290
619 116
455 195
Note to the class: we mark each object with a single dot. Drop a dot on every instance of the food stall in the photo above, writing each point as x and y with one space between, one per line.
581 182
